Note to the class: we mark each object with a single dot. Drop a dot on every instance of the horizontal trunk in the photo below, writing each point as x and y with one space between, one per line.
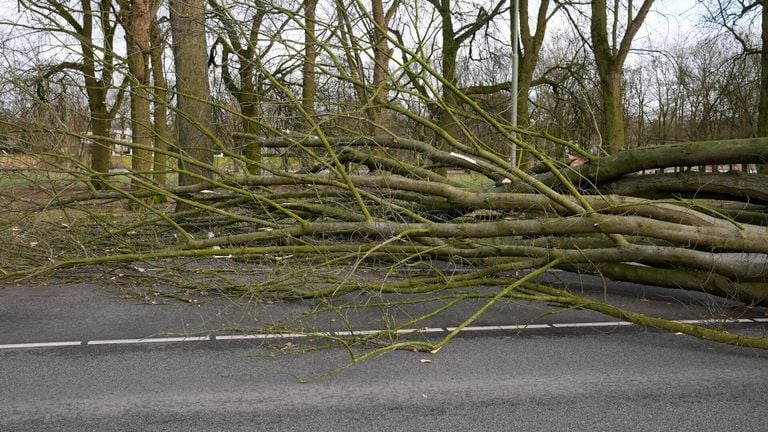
689 184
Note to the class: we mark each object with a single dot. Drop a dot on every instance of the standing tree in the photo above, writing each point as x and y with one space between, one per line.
94 29
192 89
382 56
762 123
246 51
371 90
531 44
610 54
452 39
137 18
730 16
308 83
160 99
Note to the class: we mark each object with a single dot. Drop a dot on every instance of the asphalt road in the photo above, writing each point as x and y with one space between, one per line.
585 378
628 380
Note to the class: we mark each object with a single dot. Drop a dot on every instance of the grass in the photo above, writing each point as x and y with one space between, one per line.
473 181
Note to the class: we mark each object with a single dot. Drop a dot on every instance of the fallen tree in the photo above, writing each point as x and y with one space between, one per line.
362 199
414 175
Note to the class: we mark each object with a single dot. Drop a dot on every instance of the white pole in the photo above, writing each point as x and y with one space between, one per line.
515 28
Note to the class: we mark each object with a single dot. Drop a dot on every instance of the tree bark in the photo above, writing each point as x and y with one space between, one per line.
691 184
532 43
762 121
609 58
139 17
382 56
160 104
737 151
310 58
193 117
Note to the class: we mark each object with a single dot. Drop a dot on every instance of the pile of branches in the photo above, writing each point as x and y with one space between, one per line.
360 201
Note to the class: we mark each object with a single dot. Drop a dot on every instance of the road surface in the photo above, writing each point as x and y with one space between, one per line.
550 378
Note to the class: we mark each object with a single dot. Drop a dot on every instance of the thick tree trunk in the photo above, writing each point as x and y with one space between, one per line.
97 88
139 18
738 151
382 55
762 121
691 184
249 111
101 125
193 117
248 100
613 112
610 55
762 112
450 53
310 58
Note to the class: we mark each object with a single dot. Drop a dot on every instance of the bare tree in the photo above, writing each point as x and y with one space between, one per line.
532 43
245 49
94 30
610 53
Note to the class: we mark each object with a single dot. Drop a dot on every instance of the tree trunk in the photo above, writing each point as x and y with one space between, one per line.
762 111
382 55
101 123
613 112
193 118
139 18
160 103
450 53
248 100
97 90
609 168
609 59
531 43
762 121
310 57
730 186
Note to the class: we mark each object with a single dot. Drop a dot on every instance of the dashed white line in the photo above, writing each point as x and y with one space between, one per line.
346 333
237 337
523 326
148 340
591 324
261 336
41 344
723 320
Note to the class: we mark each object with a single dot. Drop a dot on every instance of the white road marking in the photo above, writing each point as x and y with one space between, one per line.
344 333
706 321
149 340
523 326
591 324
40 345
237 337
262 336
